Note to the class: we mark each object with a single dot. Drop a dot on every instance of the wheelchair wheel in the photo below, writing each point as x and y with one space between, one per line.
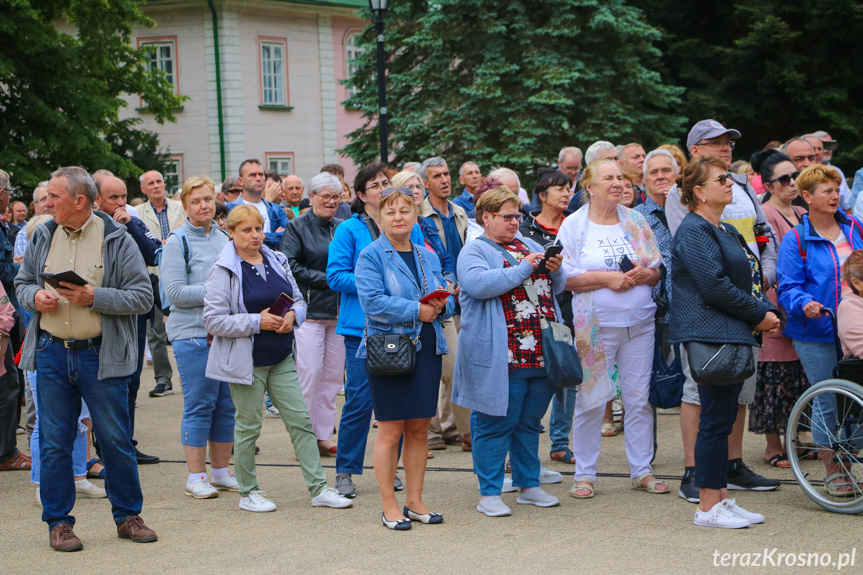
845 439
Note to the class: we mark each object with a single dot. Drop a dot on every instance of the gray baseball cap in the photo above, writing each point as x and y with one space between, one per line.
708 129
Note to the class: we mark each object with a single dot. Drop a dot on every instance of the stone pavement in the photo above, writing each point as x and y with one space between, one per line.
619 531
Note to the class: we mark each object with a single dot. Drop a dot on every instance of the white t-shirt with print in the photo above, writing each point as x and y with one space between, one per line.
262 208
602 249
740 213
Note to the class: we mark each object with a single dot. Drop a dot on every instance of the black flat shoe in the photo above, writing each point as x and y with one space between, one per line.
144 459
428 518
397 525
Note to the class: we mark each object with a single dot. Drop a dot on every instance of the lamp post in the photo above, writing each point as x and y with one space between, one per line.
379 8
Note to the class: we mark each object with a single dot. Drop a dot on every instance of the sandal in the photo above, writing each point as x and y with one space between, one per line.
564 455
839 489
609 430
92 475
582 484
779 460
808 453
651 485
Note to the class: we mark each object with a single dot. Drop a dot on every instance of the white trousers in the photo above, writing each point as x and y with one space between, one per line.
320 356
632 349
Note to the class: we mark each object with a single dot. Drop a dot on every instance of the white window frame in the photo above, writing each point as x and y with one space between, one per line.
273 71
282 164
352 53
173 172
157 61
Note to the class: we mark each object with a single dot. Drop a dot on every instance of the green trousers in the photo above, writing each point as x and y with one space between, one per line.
281 382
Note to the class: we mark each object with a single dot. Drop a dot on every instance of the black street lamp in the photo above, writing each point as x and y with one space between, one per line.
379 8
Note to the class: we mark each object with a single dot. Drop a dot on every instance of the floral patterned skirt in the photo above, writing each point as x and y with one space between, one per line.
777 388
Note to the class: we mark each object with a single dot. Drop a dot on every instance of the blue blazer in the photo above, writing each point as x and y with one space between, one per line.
278 219
351 238
389 293
819 279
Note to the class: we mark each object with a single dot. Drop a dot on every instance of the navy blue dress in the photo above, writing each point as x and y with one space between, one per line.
261 286
411 396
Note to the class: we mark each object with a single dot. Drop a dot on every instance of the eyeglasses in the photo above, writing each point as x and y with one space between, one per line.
405 191
786 179
377 185
719 145
830 144
329 197
721 178
509 218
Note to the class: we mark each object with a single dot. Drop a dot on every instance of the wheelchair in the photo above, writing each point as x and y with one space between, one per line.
843 430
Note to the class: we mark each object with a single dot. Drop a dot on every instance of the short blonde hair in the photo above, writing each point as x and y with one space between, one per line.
393 200
588 176
493 200
402 178
193 183
242 213
815 175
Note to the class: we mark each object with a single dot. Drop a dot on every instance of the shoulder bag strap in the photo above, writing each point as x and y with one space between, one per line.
371 227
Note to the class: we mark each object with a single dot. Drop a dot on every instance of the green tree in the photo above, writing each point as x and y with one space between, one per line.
770 68
60 93
510 82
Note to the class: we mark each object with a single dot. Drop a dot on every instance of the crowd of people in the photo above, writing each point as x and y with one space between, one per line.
435 312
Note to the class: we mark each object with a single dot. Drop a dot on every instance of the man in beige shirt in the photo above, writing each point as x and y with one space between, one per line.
83 343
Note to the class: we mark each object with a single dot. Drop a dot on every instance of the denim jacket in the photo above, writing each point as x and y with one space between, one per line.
389 294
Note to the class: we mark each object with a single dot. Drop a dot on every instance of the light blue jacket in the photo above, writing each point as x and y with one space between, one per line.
389 293
225 315
351 238
481 379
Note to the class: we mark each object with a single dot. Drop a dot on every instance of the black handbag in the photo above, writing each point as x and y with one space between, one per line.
719 364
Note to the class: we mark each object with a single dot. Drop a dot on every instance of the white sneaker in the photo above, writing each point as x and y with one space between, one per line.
493 506
548 476
201 490
731 505
226 483
536 496
330 497
257 502
272 411
720 516
86 490
508 487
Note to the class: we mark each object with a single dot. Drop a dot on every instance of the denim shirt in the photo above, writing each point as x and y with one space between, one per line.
663 238
389 293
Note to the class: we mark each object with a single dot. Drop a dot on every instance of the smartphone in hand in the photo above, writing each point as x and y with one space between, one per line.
626 264
552 251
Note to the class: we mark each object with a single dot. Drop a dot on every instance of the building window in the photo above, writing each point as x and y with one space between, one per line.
281 162
274 68
353 51
163 56
173 173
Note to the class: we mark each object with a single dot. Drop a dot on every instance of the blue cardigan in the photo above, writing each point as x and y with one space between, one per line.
278 219
481 378
819 279
351 238
389 293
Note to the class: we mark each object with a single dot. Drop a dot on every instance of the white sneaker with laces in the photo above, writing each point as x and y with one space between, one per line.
330 497
201 490
537 496
720 516
548 476
87 490
272 411
226 483
731 505
257 502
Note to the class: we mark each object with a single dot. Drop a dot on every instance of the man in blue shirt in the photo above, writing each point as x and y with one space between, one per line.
451 421
253 180
470 177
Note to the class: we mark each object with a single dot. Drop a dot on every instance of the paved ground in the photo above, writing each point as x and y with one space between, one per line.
619 531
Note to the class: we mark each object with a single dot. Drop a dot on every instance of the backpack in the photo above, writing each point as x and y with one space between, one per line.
163 297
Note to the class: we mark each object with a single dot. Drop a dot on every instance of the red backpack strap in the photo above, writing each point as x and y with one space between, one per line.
800 247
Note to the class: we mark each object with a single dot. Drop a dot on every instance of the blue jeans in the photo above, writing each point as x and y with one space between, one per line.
135 378
818 361
208 411
560 423
356 413
65 376
718 414
79 449
517 432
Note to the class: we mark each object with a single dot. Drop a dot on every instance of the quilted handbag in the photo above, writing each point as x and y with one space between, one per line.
719 364
390 354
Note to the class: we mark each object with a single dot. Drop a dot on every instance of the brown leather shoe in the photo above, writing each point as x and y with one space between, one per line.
18 462
135 529
62 538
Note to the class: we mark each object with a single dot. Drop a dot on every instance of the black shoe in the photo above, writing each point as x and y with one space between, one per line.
688 490
162 389
741 477
427 518
144 459
398 485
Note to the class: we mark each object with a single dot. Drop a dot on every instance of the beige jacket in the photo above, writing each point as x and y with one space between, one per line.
427 211
176 217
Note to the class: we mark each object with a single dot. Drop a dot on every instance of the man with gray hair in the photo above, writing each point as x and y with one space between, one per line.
292 194
659 172
569 164
412 167
231 189
469 176
82 341
509 178
631 159
600 150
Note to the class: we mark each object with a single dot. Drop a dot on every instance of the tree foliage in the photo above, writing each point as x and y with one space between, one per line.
60 93
510 82
771 68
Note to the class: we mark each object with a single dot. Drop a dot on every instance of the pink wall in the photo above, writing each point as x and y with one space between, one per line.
346 120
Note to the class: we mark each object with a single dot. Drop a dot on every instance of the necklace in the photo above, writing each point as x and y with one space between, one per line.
834 233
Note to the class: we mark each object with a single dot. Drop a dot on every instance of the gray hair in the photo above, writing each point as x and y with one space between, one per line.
230 182
78 182
784 148
820 134
36 189
464 165
592 153
656 153
415 165
434 162
323 182
570 150
497 173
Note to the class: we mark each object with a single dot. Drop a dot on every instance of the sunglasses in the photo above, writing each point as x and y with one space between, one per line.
389 191
830 144
786 179
509 218
234 191
721 178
